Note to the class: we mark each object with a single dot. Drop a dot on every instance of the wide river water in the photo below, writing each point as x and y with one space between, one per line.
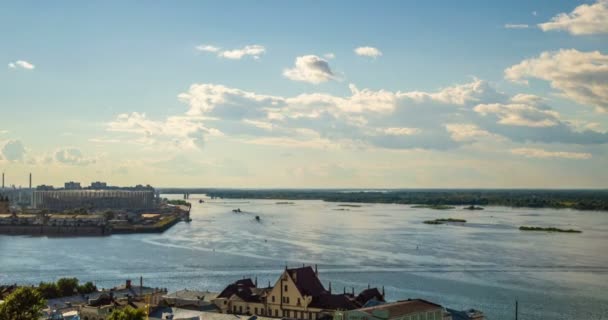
486 263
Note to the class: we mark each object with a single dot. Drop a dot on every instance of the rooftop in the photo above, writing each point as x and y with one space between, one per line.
403 307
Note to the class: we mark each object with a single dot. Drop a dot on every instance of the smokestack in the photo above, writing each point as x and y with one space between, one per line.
2 180
128 284
30 180
141 285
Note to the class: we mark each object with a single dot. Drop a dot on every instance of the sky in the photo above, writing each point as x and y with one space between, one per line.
305 94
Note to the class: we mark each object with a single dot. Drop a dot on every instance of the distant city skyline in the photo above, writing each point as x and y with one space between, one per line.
274 94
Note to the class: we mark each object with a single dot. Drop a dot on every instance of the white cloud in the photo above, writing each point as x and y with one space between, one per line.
329 56
581 76
72 156
534 13
453 116
543 154
21 64
251 50
254 51
523 110
207 48
12 150
180 132
585 19
400 131
516 26
311 69
368 52
466 132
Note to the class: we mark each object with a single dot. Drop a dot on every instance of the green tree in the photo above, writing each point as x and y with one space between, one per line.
67 286
48 290
127 313
23 304
87 288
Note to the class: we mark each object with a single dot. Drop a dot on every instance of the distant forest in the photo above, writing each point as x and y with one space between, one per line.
574 199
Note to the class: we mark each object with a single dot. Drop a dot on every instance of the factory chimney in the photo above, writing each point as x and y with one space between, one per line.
2 180
30 181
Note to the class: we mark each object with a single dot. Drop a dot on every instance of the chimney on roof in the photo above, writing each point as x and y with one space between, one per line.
344 290
382 292
353 292
316 270
128 284
330 287
368 286
256 281
268 283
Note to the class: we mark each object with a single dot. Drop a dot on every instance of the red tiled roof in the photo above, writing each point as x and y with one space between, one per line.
405 307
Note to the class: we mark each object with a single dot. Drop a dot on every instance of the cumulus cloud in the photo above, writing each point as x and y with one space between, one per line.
585 19
311 69
177 131
21 64
12 150
368 52
523 110
255 51
580 76
72 156
516 26
453 116
544 154
329 56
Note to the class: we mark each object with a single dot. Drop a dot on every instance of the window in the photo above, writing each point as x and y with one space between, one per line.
234 309
298 301
240 309
310 315
285 288
272 298
287 299
255 310
276 313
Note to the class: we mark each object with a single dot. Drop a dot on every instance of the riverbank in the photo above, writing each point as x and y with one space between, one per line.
516 198
92 231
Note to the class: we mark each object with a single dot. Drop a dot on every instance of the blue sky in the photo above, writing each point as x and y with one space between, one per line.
275 94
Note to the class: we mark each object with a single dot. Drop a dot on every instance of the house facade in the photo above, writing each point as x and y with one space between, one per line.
297 294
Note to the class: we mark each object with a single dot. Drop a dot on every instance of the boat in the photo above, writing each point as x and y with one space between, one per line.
200 201
257 218
237 210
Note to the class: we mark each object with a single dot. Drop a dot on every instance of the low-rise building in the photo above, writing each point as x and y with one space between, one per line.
20 219
297 294
75 220
411 309
202 300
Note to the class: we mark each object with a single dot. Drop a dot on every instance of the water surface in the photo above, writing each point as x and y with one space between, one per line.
486 263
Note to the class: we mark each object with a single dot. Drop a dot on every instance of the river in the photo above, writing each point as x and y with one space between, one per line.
486 263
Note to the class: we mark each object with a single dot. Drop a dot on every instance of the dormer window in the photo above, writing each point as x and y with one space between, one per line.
285 288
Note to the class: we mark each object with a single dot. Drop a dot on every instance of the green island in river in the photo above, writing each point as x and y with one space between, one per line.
442 221
549 229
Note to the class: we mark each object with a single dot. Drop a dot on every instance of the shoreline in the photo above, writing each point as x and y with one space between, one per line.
80 231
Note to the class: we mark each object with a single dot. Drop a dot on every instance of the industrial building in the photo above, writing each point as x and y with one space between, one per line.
59 200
